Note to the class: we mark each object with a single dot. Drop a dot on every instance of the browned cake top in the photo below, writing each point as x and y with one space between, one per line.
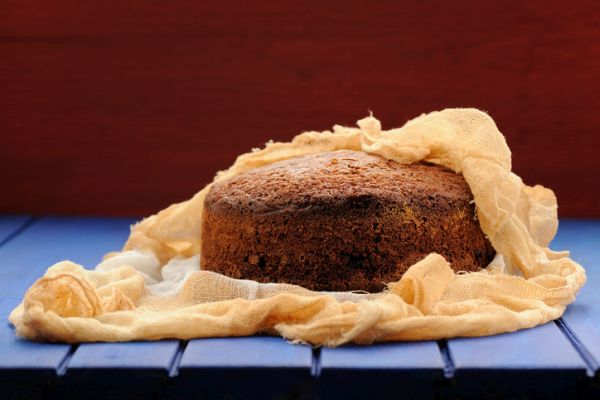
332 177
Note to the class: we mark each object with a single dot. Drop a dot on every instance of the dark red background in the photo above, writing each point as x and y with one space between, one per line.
125 107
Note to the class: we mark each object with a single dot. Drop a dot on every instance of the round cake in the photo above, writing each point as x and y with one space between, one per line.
341 220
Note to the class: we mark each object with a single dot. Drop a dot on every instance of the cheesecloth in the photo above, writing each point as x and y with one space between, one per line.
154 287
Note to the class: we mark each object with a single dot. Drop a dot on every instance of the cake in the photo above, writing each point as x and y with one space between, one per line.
338 221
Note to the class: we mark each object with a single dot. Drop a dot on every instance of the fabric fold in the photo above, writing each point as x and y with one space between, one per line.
155 288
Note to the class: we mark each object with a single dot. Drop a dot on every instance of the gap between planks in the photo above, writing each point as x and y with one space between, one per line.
64 364
315 363
446 354
174 367
19 230
591 364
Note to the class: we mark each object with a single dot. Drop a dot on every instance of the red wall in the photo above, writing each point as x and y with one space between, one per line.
123 109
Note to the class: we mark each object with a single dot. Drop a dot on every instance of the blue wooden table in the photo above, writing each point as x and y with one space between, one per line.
557 360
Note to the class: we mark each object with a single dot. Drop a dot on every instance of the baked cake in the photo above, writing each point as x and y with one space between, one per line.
341 220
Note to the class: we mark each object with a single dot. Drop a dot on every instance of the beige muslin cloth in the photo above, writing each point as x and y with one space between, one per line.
154 289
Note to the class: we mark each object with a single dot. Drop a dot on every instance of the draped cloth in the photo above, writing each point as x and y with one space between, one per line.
154 287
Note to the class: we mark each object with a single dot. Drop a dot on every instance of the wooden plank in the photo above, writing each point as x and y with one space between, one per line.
582 319
245 353
24 259
379 369
10 225
133 355
538 362
236 367
118 370
383 356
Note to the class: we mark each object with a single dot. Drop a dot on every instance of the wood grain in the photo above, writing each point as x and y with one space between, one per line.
125 107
